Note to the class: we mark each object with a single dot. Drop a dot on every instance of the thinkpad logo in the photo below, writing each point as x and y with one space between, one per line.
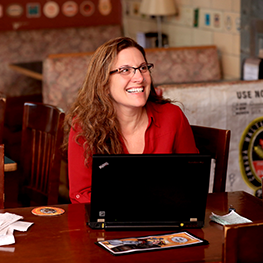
103 165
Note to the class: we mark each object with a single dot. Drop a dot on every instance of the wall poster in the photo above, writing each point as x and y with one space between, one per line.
237 106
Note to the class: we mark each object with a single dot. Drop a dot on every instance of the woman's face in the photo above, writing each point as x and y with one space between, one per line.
131 90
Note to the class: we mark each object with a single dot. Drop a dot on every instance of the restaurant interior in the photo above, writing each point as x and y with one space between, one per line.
207 55
37 46
209 46
34 36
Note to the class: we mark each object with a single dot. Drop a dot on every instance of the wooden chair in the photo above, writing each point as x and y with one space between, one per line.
42 136
2 177
215 142
2 122
2 117
243 243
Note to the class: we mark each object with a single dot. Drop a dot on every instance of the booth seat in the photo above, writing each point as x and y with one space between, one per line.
63 74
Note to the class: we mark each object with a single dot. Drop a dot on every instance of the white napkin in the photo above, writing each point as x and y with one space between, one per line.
8 223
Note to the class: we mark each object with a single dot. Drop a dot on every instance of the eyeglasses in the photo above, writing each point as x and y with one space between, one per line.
127 70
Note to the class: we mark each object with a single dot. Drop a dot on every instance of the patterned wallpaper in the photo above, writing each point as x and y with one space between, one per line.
36 45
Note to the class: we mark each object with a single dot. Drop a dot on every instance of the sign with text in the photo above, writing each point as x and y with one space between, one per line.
237 106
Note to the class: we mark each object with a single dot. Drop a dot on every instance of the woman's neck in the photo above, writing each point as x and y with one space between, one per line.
133 125
131 119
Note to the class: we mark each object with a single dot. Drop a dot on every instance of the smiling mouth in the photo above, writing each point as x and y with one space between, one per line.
135 90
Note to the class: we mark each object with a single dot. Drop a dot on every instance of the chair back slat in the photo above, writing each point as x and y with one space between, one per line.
215 142
2 117
2 177
2 122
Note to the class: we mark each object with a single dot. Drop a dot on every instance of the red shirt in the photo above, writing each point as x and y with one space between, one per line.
168 131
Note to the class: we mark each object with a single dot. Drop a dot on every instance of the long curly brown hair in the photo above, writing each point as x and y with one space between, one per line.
93 111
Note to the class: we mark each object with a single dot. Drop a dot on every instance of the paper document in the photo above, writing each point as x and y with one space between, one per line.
251 68
229 219
9 223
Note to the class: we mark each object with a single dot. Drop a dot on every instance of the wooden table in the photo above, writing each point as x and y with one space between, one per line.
67 238
30 69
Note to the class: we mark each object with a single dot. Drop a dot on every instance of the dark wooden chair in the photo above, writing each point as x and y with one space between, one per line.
243 243
2 177
215 142
42 136
2 122
2 117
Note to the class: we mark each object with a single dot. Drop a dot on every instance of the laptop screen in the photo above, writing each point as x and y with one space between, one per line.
149 191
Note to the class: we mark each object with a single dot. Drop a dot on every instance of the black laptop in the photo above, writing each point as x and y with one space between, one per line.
149 191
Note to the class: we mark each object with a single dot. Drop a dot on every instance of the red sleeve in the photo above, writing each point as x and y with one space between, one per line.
79 173
185 142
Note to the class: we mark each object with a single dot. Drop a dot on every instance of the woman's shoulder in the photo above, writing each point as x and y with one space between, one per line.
164 108
168 117
165 114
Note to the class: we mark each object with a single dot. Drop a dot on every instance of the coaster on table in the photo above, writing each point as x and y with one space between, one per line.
47 211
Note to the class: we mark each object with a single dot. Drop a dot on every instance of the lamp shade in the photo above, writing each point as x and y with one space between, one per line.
158 7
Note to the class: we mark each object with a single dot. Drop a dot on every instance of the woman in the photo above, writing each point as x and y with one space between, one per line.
118 111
